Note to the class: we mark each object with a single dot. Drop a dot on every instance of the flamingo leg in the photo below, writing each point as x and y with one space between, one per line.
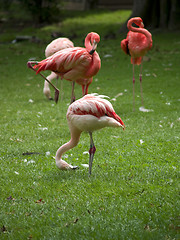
133 88
83 90
92 151
46 89
86 89
72 94
56 97
140 79
61 88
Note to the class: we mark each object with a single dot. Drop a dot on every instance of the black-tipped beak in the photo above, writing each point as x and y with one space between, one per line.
94 46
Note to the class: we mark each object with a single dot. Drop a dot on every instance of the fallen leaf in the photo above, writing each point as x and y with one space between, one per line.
3 229
86 152
39 201
147 228
172 124
107 56
143 109
48 153
31 161
44 128
28 214
76 220
29 153
85 165
119 94
9 198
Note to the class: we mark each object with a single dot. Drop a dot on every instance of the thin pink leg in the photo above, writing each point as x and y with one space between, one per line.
61 89
83 90
72 93
133 89
56 97
140 79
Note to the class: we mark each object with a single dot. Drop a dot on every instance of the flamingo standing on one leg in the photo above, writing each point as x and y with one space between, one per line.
88 114
55 46
137 43
74 64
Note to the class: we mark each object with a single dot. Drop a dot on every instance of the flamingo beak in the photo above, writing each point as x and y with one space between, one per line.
142 25
94 45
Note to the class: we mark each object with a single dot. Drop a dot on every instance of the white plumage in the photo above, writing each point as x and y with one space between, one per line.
90 113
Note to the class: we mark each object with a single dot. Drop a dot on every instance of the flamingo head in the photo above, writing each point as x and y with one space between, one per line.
95 39
138 21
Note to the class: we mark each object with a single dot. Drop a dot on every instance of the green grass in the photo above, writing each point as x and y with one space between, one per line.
133 190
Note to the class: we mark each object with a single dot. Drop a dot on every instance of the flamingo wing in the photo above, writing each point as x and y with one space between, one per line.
65 60
95 106
124 46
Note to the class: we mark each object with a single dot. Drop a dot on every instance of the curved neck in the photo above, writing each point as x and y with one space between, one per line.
88 42
75 136
140 30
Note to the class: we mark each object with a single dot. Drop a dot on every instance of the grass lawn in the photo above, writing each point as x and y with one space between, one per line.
133 190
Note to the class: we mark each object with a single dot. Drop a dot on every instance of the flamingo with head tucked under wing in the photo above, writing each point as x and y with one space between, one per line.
90 113
137 43
74 64
53 47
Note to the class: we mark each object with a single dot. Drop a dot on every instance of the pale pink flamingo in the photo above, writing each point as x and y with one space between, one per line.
53 47
136 44
88 114
74 64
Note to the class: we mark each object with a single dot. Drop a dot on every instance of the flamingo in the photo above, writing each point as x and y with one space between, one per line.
136 44
88 114
74 64
53 47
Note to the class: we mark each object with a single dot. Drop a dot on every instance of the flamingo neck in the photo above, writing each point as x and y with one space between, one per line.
141 30
88 43
75 136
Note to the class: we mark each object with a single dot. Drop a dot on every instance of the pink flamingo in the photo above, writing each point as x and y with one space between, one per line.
55 46
136 44
88 114
74 64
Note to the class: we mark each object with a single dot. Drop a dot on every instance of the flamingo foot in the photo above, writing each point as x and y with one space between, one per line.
29 64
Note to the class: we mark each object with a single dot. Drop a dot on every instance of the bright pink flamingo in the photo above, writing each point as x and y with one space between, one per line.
137 43
74 64
88 114
53 47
